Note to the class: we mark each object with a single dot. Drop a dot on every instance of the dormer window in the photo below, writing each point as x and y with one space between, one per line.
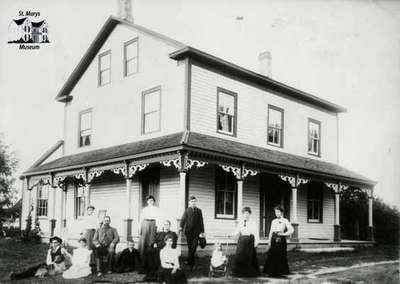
105 68
314 137
275 126
131 57
85 128
226 112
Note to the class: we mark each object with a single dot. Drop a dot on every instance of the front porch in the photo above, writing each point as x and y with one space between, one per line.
216 173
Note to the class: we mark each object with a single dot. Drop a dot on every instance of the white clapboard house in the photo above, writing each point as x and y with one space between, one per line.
146 114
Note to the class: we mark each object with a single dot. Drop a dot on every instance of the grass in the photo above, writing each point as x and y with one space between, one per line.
17 256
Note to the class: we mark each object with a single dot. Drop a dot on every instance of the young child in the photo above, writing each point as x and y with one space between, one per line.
80 262
218 259
128 260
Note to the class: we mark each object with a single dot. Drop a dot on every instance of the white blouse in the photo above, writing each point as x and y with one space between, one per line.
169 258
279 225
247 228
90 222
152 213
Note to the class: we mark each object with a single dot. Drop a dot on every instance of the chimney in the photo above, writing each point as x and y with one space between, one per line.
264 62
125 10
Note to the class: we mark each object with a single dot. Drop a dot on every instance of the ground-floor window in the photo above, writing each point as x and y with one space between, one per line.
225 194
314 203
42 200
79 201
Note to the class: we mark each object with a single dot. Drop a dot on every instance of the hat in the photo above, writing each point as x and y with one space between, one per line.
82 240
59 240
192 197
91 206
246 209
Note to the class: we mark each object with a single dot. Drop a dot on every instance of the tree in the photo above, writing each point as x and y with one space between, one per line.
8 164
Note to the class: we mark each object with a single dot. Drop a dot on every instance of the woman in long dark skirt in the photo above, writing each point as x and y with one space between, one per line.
245 262
149 219
276 264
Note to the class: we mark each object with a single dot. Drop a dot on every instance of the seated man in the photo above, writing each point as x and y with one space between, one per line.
128 260
105 240
55 262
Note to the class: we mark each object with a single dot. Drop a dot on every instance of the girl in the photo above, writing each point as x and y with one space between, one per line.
170 271
276 264
80 262
245 262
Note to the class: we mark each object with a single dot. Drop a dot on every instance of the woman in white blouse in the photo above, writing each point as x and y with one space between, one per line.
170 271
245 262
149 219
276 264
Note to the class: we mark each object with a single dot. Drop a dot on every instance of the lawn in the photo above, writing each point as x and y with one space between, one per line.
17 256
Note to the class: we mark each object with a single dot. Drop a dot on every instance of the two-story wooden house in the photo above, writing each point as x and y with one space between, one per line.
146 114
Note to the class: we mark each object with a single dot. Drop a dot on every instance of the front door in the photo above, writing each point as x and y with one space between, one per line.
150 183
273 192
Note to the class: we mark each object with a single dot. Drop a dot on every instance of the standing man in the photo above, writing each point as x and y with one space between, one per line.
193 227
105 240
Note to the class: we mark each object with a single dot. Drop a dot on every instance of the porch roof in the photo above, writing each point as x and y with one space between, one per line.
208 145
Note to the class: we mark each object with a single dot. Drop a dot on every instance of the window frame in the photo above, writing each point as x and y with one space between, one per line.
143 114
233 216
320 203
89 110
126 60
99 71
311 120
235 120
41 208
281 136
79 212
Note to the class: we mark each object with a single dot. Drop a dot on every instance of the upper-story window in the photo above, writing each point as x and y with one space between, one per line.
131 57
314 137
151 108
42 200
226 112
275 126
225 194
85 128
105 68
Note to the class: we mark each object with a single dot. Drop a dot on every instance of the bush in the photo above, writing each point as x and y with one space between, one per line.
29 234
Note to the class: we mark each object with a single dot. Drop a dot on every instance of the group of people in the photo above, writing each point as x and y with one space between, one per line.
157 256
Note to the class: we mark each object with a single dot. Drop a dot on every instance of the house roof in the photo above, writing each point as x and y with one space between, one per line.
20 21
254 78
209 145
37 24
184 51
94 48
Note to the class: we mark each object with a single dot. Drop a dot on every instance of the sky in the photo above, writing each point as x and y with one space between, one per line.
346 52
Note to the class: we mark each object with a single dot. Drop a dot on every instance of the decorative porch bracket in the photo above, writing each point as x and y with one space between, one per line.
295 182
183 163
337 188
42 179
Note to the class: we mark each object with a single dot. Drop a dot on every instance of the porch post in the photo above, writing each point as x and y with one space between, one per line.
64 208
87 195
53 211
295 182
239 195
370 220
182 196
128 220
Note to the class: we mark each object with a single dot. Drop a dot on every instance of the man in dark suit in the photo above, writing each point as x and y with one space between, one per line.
193 227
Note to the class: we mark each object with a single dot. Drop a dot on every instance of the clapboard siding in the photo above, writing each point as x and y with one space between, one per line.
169 193
252 105
202 185
322 230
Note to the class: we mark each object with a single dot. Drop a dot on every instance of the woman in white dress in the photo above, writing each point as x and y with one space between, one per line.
149 219
276 264
80 262
245 262
90 224
170 271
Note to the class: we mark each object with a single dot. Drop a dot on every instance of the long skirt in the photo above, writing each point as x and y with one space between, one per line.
77 272
245 262
88 235
276 263
147 237
165 275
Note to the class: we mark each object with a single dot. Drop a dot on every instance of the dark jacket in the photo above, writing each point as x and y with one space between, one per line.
160 239
105 235
128 260
192 221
